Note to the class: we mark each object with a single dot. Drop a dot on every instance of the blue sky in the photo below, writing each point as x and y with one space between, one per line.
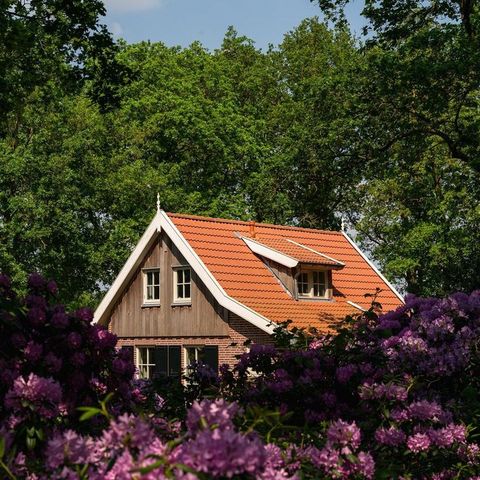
180 22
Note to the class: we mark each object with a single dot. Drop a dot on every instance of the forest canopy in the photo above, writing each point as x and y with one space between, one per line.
382 132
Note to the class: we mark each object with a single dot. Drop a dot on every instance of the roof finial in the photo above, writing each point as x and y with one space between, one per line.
343 225
158 202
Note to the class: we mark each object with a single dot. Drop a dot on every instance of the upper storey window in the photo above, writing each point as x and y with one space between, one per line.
182 285
151 286
312 284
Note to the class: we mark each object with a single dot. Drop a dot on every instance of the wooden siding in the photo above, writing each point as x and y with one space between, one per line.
130 318
285 275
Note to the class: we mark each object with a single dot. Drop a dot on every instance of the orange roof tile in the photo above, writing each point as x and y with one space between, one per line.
246 278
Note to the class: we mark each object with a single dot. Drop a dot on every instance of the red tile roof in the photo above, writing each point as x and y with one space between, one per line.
244 276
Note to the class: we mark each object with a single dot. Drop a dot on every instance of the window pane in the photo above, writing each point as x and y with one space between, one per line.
187 275
156 278
302 282
149 293
187 290
156 292
179 276
179 291
143 353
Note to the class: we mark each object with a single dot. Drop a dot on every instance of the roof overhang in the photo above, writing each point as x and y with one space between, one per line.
270 253
162 222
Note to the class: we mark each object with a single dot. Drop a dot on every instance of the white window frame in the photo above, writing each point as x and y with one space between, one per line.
150 361
181 300
311 284
151 301
185 351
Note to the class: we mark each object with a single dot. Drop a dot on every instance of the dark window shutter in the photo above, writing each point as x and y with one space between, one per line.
174 362
210 356
161 362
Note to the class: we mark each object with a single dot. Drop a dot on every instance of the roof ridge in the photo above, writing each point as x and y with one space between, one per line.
248 222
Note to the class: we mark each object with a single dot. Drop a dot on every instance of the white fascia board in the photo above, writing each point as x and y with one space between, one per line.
270 253
374 268
128 270
315 251
356 305
209 280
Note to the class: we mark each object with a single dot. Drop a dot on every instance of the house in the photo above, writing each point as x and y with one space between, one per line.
196 288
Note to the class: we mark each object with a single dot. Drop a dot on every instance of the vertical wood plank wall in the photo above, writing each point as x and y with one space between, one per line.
130 318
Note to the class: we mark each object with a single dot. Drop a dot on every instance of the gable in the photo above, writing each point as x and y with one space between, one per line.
131 318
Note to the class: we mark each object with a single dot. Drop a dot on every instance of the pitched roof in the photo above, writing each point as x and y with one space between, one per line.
245 278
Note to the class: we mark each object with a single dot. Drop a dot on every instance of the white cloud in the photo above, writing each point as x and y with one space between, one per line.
116 29
122 6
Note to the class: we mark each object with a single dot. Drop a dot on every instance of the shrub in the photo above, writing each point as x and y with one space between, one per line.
394 396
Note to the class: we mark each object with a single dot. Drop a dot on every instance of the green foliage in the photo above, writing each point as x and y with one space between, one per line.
317 128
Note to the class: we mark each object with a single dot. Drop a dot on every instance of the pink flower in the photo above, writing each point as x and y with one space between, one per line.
418 442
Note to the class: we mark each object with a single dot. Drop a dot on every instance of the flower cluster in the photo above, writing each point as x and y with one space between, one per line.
52 362
394 396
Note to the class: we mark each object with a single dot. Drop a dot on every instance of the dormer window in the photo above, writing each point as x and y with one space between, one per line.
151 286
312 284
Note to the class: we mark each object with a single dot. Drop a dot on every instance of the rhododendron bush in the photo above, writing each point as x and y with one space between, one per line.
394 396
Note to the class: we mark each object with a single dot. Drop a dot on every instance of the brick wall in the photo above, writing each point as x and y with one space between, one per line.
229 347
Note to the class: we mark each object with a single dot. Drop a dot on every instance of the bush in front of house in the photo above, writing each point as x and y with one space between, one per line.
394 396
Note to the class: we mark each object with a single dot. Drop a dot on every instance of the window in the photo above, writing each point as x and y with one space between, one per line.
319 284
151 286
205 354
302 284
158 362
145 362
182 285
312 284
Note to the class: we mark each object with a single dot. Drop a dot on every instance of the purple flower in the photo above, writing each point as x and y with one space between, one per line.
391 436
418 442
98 386
59 319
52 288
37 316
424 410
52 362
207 414
70 447
223 453
448 435
345 373
84 314
326 458
41 395
74 340
281 381
127 429
102 338
78 359
33 351
5 282
365 465
343 434
36 281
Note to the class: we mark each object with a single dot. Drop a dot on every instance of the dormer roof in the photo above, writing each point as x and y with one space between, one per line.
290 253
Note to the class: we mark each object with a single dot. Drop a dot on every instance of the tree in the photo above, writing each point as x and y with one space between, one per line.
417 206
45 44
